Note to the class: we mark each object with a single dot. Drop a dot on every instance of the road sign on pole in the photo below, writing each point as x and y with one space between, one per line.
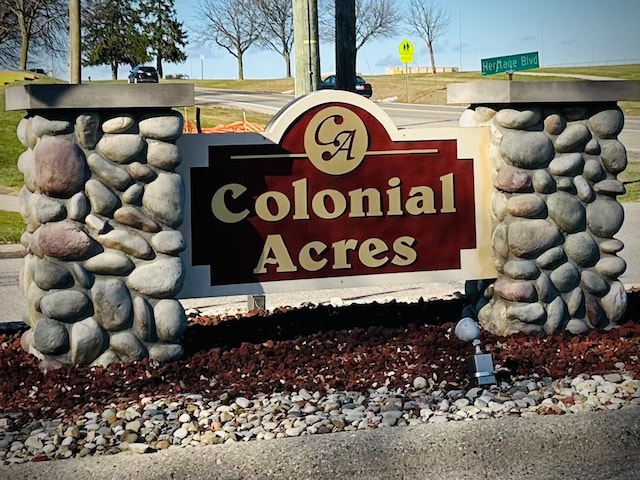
511 63
406 50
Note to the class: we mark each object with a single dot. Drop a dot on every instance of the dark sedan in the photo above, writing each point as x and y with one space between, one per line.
142 74
362 86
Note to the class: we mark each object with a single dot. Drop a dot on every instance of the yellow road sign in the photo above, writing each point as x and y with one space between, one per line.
406 49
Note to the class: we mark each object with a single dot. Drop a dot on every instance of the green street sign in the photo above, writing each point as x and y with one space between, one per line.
512 63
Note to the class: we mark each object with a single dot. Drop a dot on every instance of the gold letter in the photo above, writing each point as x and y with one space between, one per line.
368 251
356 203
341 253
405 254
394 196
448 194
307 261
219 207
320 208
282 206
275 244
300 190
420 201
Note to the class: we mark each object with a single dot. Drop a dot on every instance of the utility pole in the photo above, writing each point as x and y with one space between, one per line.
345 45
305 46
74 42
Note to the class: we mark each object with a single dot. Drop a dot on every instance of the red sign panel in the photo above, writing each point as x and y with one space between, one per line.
335 197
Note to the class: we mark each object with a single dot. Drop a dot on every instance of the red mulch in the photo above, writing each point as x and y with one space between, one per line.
317 348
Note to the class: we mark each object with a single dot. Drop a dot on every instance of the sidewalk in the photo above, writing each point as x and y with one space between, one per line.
10 203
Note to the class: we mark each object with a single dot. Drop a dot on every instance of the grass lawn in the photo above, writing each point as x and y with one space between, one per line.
11 227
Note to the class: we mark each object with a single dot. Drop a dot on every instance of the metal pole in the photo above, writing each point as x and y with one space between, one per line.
74 42
201 67
406 80
345 45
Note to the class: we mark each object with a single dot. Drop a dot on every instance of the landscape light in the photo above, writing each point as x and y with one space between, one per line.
480 364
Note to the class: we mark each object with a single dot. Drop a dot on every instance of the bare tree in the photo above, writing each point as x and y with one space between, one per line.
429 21
374 19
233 24
41 25
276 17
9 38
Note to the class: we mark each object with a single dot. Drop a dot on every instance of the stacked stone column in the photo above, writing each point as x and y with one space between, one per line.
555 213
102 204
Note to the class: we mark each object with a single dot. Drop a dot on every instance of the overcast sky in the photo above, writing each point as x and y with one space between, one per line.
564 32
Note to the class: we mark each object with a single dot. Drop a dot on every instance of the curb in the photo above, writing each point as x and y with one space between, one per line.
12 251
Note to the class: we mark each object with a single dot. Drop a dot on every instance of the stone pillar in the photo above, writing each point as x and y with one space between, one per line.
102 205
556 158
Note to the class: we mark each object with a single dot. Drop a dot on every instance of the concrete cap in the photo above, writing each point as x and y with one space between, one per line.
505 91
107 96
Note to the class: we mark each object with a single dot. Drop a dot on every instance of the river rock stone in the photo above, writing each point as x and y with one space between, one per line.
167 127
133 217
610 186
109 262
583 189
607 123
512 181
593 283
518 119
50 337
554 123
170 242
103 201
118 124
543 182
566 164
611 267
50 274
499 205
127 346
27 167
545 289
614 303
143 322
604 217
49 210
525 205
611 245
160 278
127 241
87 130
78 207
42 127
531 237
574 137
556 314
121 148
109 173
592 147
566 277
582 249
66 305
566 211
88 341
163 155
141 172
575 302
527 313
613 155
112 304
165 352
515 290
594 315
593 170
170 320
521 269
163 199
529 150
65 240
499 240
61 169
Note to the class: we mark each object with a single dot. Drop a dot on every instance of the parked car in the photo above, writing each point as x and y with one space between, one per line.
143 74
362 86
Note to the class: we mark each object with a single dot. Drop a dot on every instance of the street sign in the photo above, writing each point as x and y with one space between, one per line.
405 49
512 63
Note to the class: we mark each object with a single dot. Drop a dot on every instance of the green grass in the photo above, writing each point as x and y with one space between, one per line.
631 174
11 227
10 147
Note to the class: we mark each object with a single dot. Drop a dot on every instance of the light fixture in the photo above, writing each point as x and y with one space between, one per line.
480 364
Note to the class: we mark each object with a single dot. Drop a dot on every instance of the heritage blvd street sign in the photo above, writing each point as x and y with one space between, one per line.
512 63
406 49
333 195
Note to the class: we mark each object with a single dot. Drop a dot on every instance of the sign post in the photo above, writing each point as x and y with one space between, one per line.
510 64
406 49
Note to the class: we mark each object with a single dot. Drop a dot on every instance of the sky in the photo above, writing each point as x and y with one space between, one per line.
563 32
